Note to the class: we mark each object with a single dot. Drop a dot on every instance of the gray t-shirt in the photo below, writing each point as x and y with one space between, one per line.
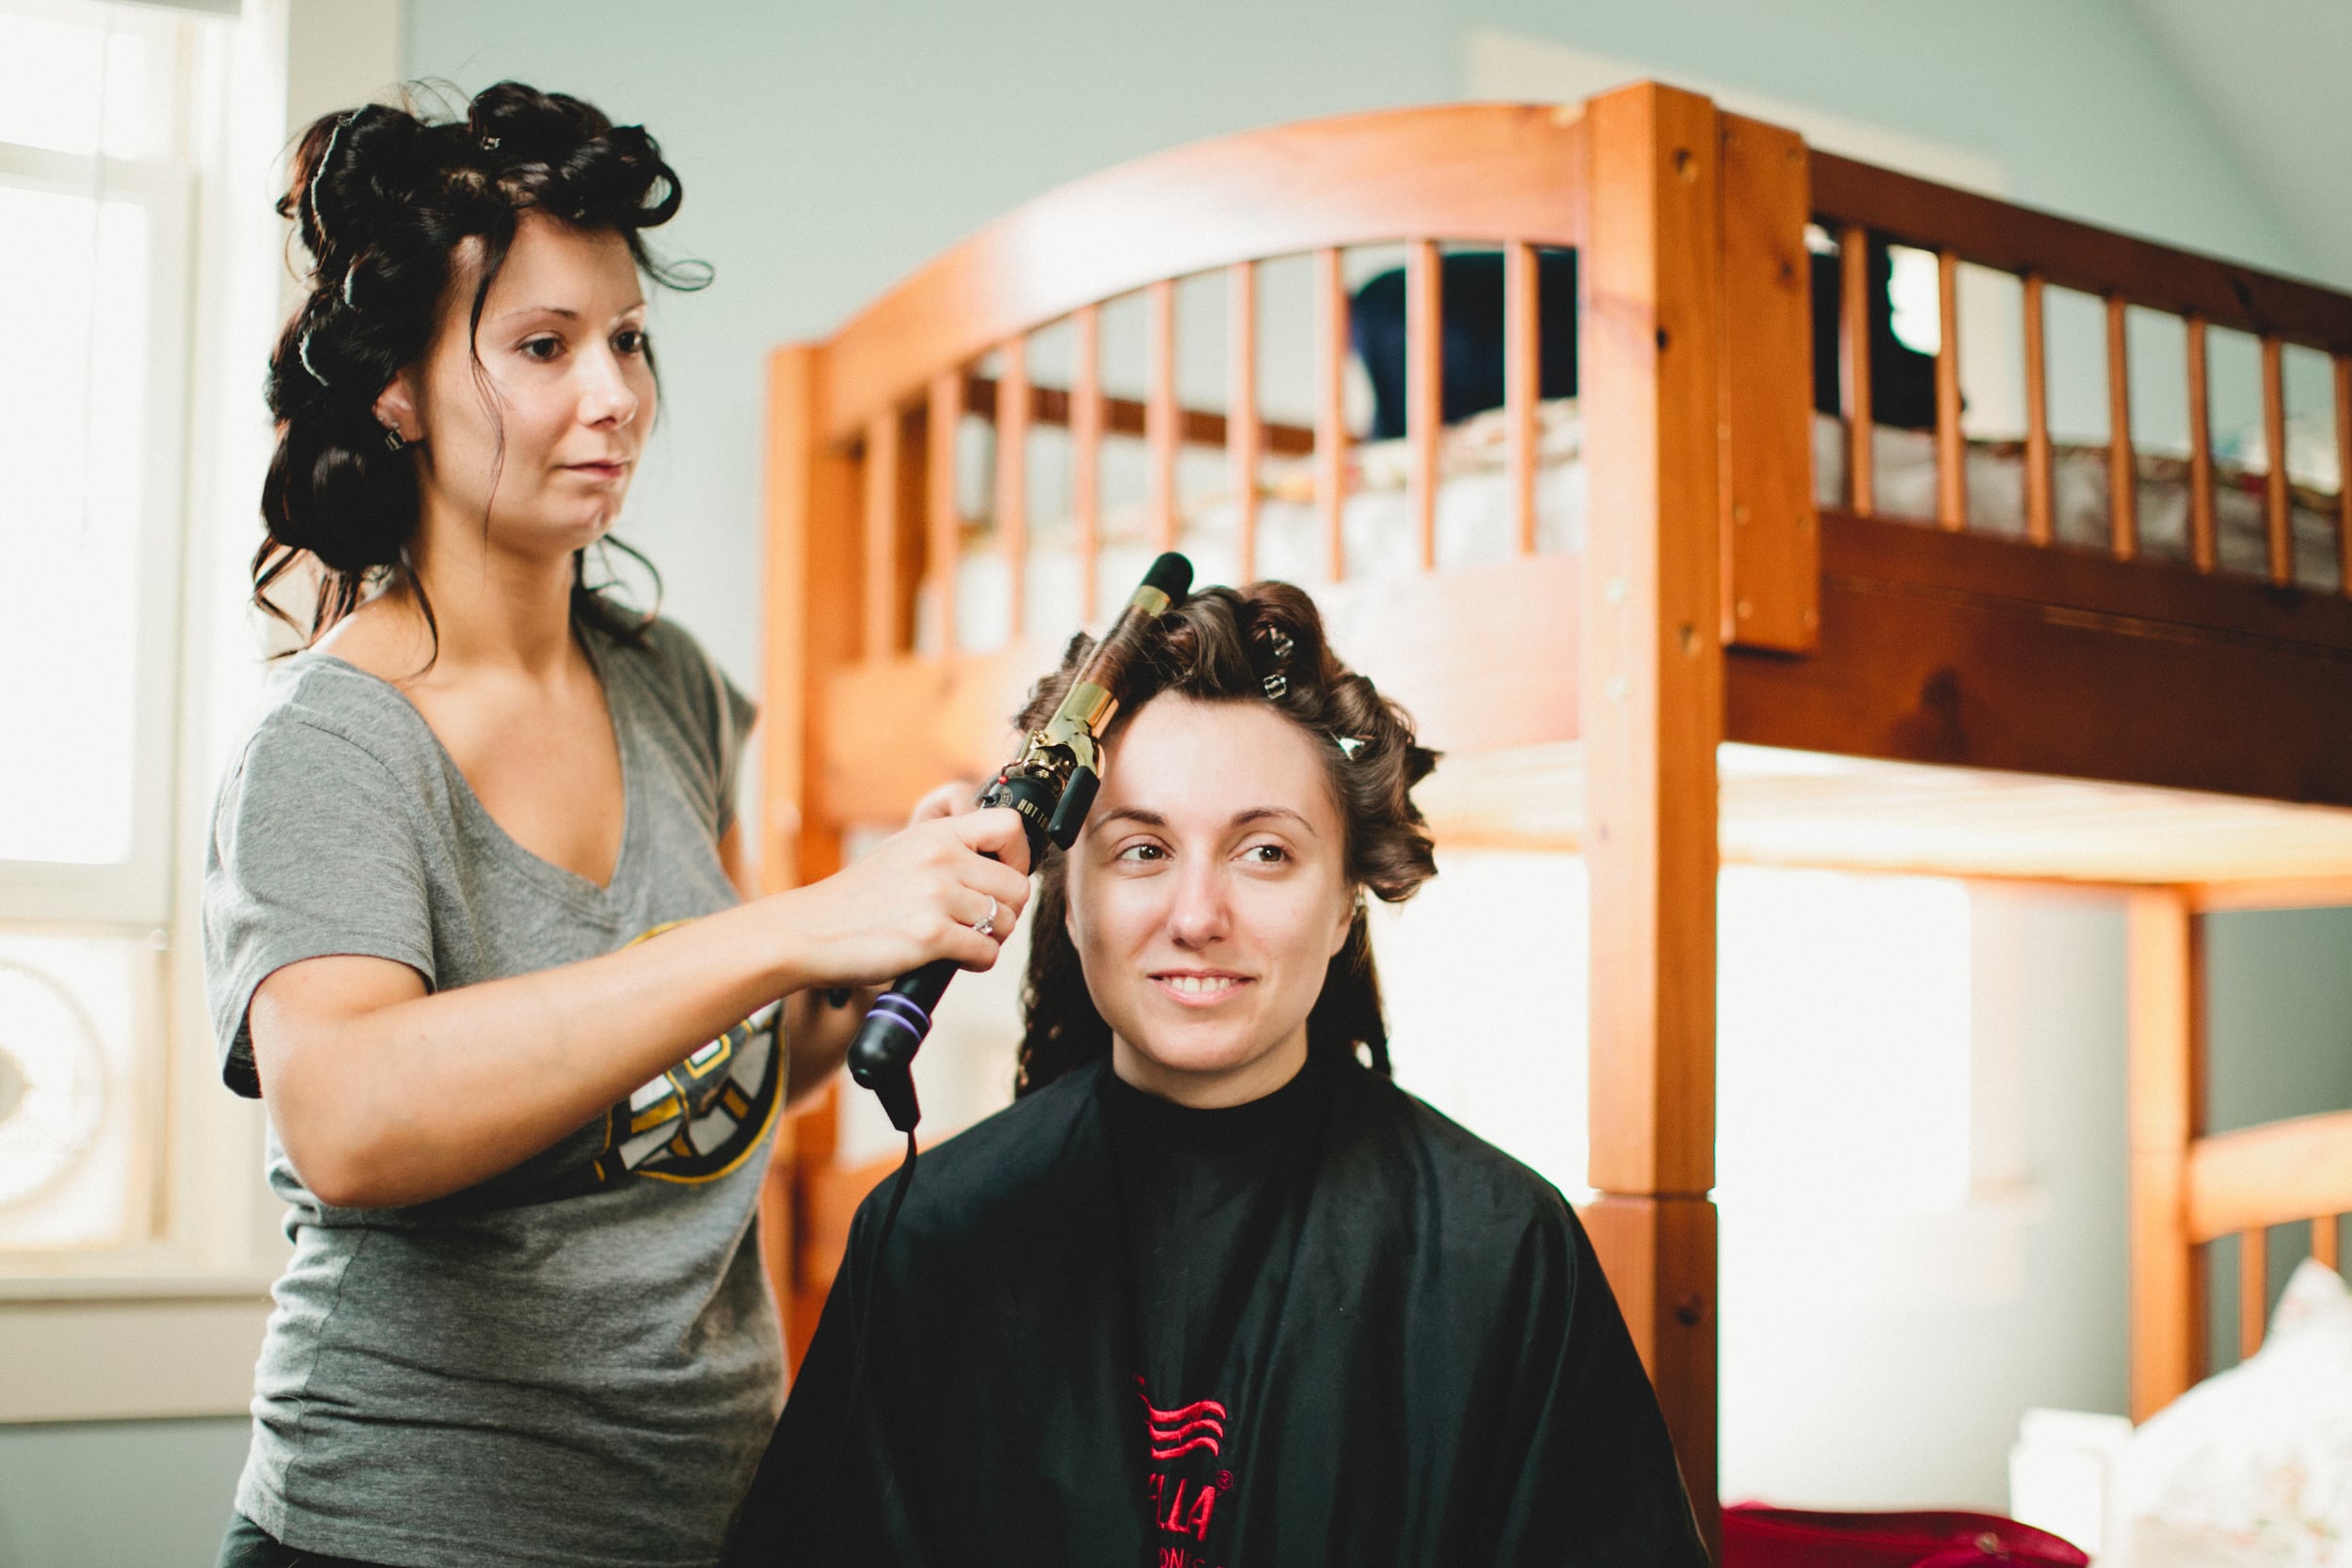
576 1362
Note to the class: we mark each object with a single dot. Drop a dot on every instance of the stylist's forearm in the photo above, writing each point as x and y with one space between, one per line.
430 1095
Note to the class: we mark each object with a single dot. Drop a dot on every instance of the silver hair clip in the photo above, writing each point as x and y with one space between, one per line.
1279 643
489 144
1348 745
302 351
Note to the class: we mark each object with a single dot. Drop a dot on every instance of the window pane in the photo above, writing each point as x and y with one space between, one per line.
72 445
70 1009
77 80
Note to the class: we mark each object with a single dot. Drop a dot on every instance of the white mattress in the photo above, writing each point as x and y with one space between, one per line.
1475 522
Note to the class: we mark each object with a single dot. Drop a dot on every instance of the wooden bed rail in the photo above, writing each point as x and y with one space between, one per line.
1859 202
2190 1188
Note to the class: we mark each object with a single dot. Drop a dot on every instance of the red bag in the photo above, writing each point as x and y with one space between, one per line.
1759 1537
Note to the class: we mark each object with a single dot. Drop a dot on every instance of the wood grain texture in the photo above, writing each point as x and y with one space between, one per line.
2041 510
2015 239
2342 368
2275 1173
941 509
1242 441
1854 348
1332 435
2122 469
1650 699
2253 1291
1522 385
1086 452
1161 410
2202 547
884 634
1488 172
1952 444
2279 521
1424 389
1978 652
1771 570
2166 1031
1012 477
1659 1255
811 571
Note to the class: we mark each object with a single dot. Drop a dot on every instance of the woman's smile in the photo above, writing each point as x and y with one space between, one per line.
1194 988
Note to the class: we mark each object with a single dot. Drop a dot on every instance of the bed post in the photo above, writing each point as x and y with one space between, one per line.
812 537
2166 962
1651 713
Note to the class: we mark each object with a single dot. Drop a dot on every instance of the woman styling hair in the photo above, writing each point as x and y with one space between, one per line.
470 917
1214 1292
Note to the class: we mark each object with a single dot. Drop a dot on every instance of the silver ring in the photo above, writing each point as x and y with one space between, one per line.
986 924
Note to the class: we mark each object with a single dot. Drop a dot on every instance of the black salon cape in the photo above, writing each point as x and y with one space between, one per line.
1443 1379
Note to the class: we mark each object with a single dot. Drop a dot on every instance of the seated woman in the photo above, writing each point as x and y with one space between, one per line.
1213 1291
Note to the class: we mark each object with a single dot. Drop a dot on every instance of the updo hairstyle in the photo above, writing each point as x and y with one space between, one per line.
384 199
1263 644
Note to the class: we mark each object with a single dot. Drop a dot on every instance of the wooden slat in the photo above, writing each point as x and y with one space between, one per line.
1159 419
2344 467
2279 522
1424 391
2253 1291
1485 172
1086 451
1195 427
2274 1174
1332 408
2203 534
1770 573
1400 631
2014 239
939 506
1650 699
2298 890
1951 446
2122 467
2041 511
1242 440
1522 384
1853 346
2326 1238
1012 477
2164 1024
883 634
1660 1257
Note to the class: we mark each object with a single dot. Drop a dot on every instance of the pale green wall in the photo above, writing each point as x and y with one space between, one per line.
827 151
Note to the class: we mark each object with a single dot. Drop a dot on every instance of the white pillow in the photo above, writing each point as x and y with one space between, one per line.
2253 1466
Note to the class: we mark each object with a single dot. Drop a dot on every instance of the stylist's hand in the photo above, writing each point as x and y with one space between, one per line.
916 896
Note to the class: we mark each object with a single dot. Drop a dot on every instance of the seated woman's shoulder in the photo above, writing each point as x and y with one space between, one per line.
1440 1152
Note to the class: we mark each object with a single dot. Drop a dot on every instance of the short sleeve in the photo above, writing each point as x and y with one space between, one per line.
314 851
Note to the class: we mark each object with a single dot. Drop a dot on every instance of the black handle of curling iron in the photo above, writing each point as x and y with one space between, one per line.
1053 799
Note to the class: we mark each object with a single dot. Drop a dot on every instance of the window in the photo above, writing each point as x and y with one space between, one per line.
134 156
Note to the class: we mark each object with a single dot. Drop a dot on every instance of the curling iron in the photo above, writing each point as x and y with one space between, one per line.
1051 785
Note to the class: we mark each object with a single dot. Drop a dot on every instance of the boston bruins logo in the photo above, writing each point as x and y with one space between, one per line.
703 1117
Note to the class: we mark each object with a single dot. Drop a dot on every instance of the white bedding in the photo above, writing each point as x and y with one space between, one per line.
1475 522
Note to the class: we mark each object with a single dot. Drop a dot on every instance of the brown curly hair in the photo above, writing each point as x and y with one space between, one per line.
1262 644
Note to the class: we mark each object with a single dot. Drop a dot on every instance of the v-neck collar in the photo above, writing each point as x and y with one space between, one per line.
559 880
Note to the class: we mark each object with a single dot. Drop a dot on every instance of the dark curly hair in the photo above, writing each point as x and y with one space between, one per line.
384 199
1262 644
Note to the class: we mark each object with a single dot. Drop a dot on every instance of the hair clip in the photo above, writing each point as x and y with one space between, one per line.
489 144
302 351
1350 745
1279 643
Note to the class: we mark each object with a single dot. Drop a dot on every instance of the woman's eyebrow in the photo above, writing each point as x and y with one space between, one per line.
1131 814
1259 813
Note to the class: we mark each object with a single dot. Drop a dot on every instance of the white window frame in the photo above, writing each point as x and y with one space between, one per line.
165 1323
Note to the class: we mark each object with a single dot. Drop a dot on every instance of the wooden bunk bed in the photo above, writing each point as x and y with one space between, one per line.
1725 667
